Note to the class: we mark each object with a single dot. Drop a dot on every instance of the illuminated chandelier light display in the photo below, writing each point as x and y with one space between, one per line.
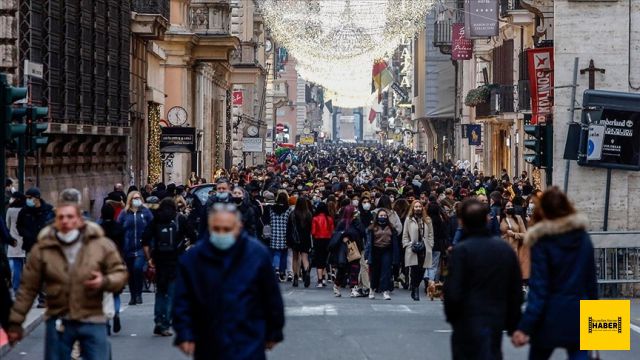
336 41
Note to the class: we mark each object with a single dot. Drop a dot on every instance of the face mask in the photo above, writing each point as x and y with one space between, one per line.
531 206
477 183
31 203
69 237
418 212
383 221
136 203
355 203
237 200
510 211
366 206
223 195
222 241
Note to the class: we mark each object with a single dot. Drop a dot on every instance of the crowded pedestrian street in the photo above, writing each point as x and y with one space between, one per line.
320 179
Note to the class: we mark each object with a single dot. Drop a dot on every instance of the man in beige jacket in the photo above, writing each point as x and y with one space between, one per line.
76 263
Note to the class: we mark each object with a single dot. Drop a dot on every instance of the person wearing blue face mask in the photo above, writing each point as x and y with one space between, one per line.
33 218
237 262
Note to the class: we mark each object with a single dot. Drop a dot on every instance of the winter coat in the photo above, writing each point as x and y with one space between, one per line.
114 231
233 323
411 235
322 227
394 219
64 284
338 248
134 224
517 243
279 217
563 272
395 245
31 220
12 225
483 286
303 228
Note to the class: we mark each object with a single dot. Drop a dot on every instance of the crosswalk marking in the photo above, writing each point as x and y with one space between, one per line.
322 310
391 308
348 309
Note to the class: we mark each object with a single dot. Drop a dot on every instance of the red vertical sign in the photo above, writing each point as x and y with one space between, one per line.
238 97
462 48
540 63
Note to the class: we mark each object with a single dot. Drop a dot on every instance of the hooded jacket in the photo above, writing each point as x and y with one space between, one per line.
64 284
562 273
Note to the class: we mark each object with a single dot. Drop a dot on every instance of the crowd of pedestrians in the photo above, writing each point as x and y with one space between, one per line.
369 220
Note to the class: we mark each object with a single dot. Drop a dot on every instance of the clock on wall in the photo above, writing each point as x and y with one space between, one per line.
252 130
268 45
177 116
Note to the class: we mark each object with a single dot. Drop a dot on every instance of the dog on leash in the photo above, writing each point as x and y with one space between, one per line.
434 290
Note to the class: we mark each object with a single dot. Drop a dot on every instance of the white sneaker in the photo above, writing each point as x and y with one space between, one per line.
354 292
372 294
386 295
336 291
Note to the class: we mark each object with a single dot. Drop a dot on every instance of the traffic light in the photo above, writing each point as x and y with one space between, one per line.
541 142
36 127
10 117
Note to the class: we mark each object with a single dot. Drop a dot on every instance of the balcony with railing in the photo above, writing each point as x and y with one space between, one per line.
150 18
502 99
524 96
514 9
442 35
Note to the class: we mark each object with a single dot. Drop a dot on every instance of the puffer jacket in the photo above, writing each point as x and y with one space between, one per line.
134 224
64 285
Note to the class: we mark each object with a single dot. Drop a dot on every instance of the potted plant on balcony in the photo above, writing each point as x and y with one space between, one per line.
479 95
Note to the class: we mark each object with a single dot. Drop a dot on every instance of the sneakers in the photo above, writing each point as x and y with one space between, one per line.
161 332
386 295
320 285
354 292
372 295
336 291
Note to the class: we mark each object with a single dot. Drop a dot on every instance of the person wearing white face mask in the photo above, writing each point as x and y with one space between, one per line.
134 219
76 263
252 292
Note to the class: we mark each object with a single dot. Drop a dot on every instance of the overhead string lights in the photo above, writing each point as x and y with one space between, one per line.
335 42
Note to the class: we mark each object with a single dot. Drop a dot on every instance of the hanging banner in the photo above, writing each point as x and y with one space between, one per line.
238 97
540 63
481 18
474 133
462 48
594 145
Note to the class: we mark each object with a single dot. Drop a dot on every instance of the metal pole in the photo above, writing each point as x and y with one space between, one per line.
606 201
572 110
21 139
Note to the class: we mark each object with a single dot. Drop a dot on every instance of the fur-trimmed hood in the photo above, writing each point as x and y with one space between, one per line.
555 227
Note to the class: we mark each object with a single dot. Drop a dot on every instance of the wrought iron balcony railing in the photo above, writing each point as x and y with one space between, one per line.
442 33
152 7
507 6
502 99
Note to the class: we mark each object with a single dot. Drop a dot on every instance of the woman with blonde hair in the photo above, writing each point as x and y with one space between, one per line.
417 241
134 219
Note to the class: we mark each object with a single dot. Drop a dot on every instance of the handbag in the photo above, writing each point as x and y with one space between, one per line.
353 253
418 247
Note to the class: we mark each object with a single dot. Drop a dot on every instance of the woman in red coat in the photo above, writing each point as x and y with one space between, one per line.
322 229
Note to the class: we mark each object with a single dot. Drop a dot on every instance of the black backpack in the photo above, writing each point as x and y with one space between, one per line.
167 240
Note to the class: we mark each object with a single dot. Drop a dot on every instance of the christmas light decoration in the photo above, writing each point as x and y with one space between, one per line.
155 131
335 42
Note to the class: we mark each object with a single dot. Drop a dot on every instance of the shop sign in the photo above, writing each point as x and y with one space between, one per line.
540 63
178 136
462 48
252 144
307 140
474 134
481 18
238 97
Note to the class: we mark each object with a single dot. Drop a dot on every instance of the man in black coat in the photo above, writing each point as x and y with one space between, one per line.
483 292
33 218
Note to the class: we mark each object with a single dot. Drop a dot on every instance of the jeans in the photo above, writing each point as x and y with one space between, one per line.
116 302
92 337
165 285
433 273
135 266
381 266
474 340
16 264
280 259
536 352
